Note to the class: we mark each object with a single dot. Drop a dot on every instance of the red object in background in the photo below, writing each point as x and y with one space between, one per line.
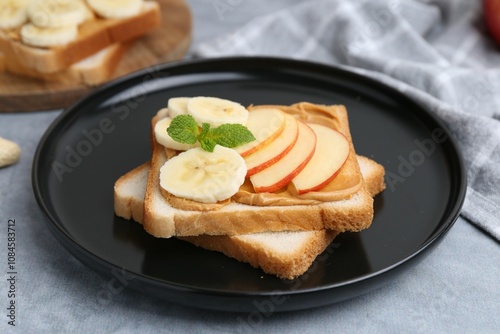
492 17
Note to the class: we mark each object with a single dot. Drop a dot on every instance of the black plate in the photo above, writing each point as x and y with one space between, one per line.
107 134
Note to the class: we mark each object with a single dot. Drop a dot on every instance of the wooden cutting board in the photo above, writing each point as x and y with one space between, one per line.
170 42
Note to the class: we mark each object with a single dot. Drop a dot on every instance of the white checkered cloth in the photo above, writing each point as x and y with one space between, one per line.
436 51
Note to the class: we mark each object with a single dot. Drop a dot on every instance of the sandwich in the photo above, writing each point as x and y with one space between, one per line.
274 195
45 38
90 71
274 192
284 254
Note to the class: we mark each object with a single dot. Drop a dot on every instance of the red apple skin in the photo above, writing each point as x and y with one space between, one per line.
262 166
264 142
492 18
283 182
286 180
261 144
322 184
268 163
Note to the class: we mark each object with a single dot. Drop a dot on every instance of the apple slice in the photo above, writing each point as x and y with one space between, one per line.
275 150
266 125
332 150
491 10
282 172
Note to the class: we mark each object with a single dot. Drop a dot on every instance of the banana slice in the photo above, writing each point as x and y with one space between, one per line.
13 13
164 139
202 176
57 13
216 111
47 37
9 152
177 106
116 9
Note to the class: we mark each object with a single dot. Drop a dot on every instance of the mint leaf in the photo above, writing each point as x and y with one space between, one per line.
205 129
231 135
206 142
183 129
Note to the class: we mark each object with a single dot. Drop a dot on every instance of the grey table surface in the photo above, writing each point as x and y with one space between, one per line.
454 290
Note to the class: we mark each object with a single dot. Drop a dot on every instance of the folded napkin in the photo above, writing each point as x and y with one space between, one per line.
435 51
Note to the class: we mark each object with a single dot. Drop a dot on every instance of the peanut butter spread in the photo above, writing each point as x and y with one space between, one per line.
347 182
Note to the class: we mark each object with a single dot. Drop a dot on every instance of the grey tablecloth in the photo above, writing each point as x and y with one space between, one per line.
435 51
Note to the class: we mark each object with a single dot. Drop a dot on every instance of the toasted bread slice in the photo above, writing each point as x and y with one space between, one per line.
2 62
163 220
93 36
285 254
91 71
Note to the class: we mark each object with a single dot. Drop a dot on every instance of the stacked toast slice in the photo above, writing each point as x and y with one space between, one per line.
281 232
41 46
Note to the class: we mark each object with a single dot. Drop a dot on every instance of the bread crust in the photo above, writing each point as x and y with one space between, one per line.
246 248
373 173
93 35
2 62
162 220
95 72
128 193
255 249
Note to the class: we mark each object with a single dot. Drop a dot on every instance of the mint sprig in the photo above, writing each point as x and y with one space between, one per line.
184 129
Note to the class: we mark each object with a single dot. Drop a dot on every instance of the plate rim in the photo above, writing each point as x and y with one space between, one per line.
70 242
